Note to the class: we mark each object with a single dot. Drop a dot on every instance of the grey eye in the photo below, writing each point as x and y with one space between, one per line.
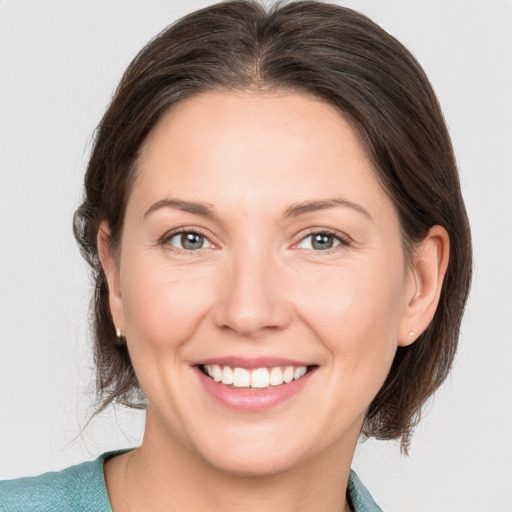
319 241
189 241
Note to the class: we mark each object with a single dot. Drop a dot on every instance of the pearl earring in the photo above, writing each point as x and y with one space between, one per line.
411 334
119 336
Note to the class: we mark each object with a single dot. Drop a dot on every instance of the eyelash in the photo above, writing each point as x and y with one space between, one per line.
343 240
168 236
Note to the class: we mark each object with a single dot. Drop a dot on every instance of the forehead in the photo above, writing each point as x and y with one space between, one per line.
272 147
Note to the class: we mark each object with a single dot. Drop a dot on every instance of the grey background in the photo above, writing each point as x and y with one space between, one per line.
59 63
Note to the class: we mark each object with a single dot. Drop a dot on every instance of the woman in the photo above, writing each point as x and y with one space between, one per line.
282 256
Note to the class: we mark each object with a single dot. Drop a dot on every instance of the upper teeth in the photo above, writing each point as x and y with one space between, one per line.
257 378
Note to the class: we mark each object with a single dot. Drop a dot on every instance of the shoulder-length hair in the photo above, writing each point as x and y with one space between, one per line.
343 58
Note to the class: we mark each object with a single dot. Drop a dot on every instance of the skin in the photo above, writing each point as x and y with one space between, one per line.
257 287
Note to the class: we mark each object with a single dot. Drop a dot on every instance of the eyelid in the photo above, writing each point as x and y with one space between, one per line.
344 239
164 240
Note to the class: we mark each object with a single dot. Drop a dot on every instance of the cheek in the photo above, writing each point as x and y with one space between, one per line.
355 311
355 316
163 305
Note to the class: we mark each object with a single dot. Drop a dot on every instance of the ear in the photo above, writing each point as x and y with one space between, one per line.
425 281
111 269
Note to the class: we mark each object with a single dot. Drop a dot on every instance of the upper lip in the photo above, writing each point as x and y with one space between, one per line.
251 362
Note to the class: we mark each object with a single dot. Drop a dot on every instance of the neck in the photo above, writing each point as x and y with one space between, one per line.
163 474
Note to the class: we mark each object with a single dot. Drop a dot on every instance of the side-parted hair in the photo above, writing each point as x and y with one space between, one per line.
342 58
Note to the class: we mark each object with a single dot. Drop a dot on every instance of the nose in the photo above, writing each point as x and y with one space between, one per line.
253 297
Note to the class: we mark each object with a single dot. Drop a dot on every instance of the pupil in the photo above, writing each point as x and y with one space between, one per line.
322 241
191 241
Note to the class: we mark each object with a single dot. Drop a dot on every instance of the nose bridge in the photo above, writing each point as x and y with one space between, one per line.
252 296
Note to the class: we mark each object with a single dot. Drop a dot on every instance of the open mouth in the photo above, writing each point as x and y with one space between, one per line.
256 378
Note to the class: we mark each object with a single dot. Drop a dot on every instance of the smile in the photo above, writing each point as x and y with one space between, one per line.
258 378
253 384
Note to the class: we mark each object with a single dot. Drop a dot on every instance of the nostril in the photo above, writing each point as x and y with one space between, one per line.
251 305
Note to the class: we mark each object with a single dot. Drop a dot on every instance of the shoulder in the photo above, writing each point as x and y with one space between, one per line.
80 487
359 496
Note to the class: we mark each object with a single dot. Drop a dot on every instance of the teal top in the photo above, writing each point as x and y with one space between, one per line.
82 488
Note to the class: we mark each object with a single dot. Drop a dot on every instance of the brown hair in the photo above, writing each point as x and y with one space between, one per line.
343 58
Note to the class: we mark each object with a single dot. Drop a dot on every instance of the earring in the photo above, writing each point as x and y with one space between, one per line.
119 336
411 334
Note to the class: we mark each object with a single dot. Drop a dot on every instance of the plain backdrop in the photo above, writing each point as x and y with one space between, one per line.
59 64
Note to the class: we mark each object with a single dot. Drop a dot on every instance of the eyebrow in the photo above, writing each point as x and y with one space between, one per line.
203 209
310 206
295 210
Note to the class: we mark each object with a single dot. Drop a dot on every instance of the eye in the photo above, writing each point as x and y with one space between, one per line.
189 241
321 241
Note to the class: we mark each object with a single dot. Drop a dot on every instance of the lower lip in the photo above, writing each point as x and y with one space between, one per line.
252 399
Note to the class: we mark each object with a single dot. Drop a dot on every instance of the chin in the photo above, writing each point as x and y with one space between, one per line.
257 453
252 464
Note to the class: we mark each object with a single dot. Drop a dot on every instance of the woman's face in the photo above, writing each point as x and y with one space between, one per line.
257 239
